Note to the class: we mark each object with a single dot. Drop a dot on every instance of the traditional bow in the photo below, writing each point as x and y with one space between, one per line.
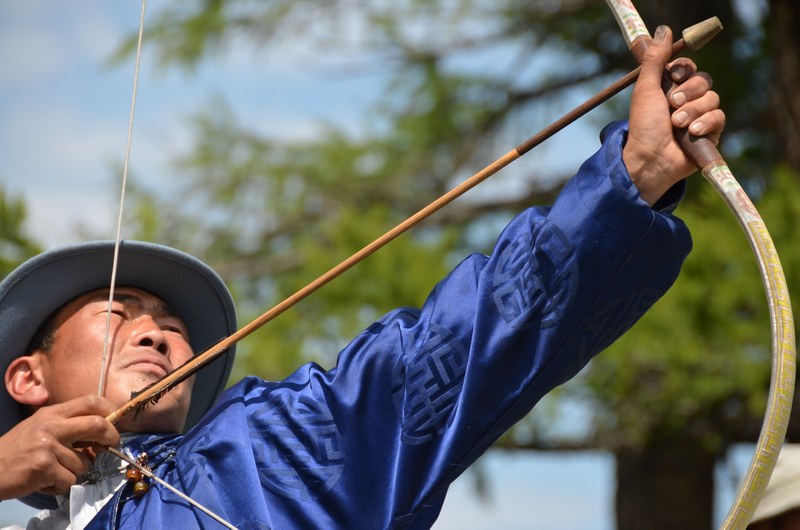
779 404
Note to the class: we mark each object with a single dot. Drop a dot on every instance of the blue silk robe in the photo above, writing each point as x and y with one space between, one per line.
419 395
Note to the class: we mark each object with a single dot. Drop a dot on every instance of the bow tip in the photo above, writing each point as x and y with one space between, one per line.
701 33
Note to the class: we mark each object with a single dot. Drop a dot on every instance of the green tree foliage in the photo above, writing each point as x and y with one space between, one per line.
15 245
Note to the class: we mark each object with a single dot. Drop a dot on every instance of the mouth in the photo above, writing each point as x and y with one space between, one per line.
156 366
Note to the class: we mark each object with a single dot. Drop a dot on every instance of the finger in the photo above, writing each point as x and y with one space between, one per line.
86 429
696 86
61 481
83 406
709 124
655 58
690 112
60 488
681 69
72 461
51 491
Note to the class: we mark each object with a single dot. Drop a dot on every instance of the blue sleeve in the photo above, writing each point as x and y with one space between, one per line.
500 332
422 393
417 397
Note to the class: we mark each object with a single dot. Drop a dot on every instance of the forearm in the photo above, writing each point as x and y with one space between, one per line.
592 267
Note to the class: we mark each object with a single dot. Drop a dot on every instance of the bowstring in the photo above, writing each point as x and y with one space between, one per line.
101 387
114 267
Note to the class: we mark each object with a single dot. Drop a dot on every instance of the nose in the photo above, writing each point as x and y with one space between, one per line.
150 335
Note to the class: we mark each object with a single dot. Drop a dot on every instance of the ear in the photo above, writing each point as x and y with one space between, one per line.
24 381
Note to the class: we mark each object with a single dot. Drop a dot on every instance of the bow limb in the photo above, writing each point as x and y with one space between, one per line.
781 392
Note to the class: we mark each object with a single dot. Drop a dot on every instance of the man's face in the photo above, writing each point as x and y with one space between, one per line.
146 340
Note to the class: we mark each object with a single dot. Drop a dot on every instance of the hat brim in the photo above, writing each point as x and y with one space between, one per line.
33 291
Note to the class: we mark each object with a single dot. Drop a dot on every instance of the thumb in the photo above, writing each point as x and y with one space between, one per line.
656 57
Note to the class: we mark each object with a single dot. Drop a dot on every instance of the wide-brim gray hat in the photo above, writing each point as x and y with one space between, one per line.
43 284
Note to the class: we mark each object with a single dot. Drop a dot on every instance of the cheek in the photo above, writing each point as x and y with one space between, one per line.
77 358
181 352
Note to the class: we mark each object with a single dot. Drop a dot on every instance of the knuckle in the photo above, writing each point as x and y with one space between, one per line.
102 431
43 442
706 77
94 402
40 460
63 483
97 424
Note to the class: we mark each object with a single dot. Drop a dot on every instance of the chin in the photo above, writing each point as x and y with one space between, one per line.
156 418
147 425
168 415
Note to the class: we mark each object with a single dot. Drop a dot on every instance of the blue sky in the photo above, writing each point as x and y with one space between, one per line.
63 127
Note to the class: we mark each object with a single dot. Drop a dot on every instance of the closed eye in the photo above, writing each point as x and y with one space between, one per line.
116 309
119 310
172 327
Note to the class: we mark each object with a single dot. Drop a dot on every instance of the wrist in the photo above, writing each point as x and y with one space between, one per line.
645 173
